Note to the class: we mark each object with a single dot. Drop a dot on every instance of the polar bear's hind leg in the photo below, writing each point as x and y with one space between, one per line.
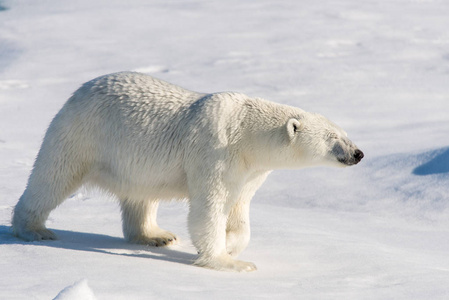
140 226
50 183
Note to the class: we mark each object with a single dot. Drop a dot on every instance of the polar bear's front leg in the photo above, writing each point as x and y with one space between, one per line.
140 226
238 229
207 226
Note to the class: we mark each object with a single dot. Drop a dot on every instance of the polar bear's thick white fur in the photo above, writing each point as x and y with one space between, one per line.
145 140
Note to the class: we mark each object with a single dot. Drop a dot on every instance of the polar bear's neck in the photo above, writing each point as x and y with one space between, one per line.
264 132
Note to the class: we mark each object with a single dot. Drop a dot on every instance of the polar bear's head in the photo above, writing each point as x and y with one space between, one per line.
315 140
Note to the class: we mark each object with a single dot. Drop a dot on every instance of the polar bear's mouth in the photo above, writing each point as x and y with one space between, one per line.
347 162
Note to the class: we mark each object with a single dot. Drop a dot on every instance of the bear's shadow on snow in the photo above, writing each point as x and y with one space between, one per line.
437 162
99 243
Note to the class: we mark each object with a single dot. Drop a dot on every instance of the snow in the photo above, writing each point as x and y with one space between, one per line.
380 69
78 291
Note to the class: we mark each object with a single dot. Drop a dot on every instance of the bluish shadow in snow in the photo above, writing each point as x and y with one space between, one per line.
438 163
2 7
6 235
99 243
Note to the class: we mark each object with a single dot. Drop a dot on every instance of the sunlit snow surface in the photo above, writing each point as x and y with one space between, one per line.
379 69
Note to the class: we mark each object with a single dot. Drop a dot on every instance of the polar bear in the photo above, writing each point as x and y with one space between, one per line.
145 140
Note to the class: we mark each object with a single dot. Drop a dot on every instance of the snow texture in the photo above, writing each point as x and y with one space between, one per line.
379 69
78 291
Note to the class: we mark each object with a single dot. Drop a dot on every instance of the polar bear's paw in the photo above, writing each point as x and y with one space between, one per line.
226 263
158 238
243 266
35 235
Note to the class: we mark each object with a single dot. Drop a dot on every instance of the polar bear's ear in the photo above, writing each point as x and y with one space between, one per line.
293 126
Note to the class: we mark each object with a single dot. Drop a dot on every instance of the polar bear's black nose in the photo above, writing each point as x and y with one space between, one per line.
358 155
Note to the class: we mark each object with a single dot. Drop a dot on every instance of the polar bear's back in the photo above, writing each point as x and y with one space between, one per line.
132 95
131 104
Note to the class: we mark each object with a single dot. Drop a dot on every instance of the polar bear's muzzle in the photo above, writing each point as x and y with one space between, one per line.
346 156
353 159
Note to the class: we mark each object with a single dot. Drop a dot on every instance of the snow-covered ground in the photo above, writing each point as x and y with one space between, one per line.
380 69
